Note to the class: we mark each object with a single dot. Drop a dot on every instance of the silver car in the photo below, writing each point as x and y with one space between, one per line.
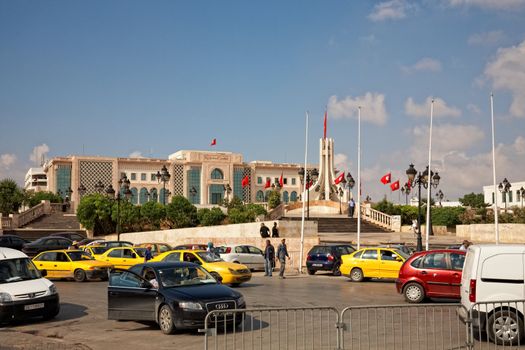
248 255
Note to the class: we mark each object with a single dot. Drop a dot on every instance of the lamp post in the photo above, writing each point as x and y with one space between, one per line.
521 193
193 193
99 186
123 190
340 200
81 190
308 177
406 191
421 179
163 176
504 188
440 196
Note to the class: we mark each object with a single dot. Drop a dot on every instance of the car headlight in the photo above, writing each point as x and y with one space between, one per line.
188 305
241 301
52 289
232 271
5 298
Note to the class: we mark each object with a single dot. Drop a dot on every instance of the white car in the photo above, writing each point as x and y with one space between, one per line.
24 293
248 255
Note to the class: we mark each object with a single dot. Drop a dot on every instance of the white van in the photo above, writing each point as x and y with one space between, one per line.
24 293
493 287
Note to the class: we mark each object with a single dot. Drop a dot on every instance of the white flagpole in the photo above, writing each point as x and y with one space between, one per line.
427 233
303 196
359 177
496 211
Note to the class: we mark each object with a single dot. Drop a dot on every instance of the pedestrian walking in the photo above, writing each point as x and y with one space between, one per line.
351 207
275 230
282 254
265 231
147 254
269 258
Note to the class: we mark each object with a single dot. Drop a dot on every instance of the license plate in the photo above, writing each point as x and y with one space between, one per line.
317 265
34 306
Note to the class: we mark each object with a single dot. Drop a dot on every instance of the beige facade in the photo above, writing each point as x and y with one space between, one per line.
205 178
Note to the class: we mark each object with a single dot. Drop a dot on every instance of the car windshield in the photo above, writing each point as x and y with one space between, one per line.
402 254
185 276
98 250
141 252
14 270
77 256
209 257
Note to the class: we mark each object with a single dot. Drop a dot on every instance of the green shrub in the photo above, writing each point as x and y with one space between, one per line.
447 216
181 213
274 199
152 213
34 198
210 217
94 213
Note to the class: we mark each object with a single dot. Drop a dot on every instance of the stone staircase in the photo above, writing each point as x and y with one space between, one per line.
341 224
56 220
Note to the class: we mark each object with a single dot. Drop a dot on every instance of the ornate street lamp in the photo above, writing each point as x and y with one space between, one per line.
440 196
311 177
350 180
124 193
406 191
163 176
504 188
340 200
99 186
193 193
81 190
521 193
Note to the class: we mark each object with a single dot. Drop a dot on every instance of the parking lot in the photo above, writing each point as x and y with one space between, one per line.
82 322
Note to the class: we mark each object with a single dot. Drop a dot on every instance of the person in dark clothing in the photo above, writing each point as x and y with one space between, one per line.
265 231
351 207
269 258
275 230
147 254
282 254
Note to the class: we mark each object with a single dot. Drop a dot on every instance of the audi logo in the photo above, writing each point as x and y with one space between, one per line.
222 306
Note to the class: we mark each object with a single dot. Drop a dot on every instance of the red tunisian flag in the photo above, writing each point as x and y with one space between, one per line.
309 184
281 181
268 184
386 179
213 142
394 186
339 178
245 181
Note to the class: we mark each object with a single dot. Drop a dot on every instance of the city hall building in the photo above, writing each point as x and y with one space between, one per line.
204 178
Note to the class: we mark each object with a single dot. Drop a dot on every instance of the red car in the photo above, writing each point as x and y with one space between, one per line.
432 274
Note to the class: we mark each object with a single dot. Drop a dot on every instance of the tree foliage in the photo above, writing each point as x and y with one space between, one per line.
245 213
181 213
274 199
34 198
94 212
11 197
152 213
210 217
473 200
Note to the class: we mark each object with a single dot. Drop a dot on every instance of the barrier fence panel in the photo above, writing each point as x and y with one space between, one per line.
426 326
272 328
495 325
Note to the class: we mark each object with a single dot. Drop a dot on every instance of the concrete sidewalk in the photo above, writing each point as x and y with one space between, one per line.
377 238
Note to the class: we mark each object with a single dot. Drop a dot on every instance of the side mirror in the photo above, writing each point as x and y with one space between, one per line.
399 259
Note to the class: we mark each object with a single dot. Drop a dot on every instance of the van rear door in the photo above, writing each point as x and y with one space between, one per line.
469 272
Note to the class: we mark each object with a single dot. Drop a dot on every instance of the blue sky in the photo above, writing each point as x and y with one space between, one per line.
148 78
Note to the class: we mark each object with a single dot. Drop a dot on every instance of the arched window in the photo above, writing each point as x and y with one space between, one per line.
293 196
143 195
285 197
217 174
259 196
154 195
134 198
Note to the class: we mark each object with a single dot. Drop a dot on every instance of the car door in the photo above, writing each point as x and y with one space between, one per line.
130 298
114 257
434 272
63 265
46 261
5 242
256 257
456 267
390 263
17 243
238 255
369 263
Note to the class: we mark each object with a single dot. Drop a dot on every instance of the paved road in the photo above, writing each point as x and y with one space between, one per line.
82 321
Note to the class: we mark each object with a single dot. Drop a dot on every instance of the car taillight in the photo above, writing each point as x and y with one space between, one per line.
228 250
308 257
472 291
330 257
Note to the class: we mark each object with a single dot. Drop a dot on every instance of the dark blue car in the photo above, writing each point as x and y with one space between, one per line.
327 257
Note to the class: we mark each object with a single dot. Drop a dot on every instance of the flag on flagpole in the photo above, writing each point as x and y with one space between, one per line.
394 186
268 183
245 181
325 117
309 184
213 142
386 179
339 178
281 181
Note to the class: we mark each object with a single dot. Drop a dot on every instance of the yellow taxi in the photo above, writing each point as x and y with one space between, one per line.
71 264
229 273
156 248
122 257
94 250
372 263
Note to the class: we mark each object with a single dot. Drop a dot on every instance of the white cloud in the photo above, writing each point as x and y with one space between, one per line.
136 154
519 145
507 72
341 162
425 64
390 10
441 109
487 38
38 153
473 108
489 4
372 107
7 159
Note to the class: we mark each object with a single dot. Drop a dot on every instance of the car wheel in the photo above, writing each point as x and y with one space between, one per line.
337 270
414 293
505 328
166 320
51 315
356 275
311 272
79 275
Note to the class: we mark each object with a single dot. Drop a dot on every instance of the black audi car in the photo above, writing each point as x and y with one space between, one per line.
176 295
